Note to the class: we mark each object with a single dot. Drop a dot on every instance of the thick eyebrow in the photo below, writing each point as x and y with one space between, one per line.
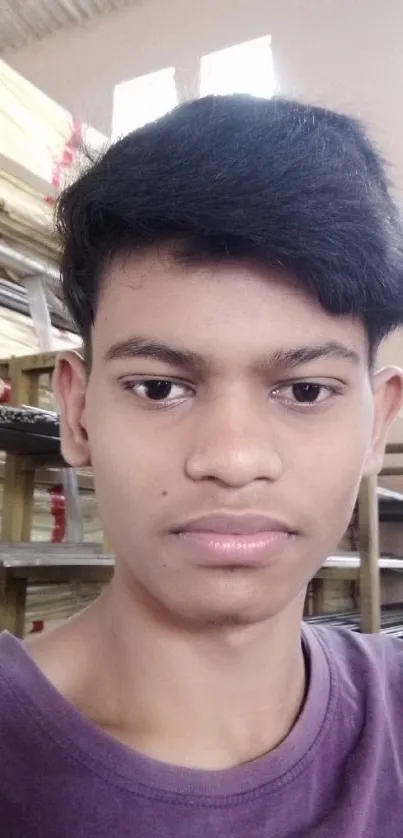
291 358
141 347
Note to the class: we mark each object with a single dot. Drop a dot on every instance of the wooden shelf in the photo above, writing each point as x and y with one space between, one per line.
24 454
35 563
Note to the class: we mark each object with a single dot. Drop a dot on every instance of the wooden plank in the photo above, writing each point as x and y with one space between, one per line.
24 565
14 585
26 176
347 573
12 603
47 473
19 481
106 545
47 562
368 518
24 383
4 370
43 552
38 363
43 462
18 498
61 574
16 599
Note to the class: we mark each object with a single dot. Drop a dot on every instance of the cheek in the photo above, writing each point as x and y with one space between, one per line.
130 470
330 472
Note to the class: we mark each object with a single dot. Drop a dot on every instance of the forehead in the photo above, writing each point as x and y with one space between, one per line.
213 309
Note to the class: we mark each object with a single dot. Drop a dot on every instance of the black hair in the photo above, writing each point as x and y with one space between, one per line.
238 177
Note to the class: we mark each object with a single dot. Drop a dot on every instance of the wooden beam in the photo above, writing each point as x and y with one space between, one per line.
38 363
18 499
12 603
19 482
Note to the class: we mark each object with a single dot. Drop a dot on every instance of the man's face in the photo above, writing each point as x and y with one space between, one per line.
205 398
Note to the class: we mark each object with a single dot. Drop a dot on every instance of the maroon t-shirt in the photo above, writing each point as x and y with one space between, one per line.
339 774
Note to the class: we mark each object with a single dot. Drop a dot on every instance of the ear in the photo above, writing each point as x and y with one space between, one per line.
70 379
388 400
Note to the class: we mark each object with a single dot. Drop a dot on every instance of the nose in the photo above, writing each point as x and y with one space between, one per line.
234 444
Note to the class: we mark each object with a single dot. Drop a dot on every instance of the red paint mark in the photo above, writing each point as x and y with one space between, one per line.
58 510
67 159
5 391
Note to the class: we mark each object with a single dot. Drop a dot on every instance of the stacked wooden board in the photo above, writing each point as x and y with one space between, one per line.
48 582
42 148
33 431
18 336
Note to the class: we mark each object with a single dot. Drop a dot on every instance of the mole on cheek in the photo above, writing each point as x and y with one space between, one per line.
164 493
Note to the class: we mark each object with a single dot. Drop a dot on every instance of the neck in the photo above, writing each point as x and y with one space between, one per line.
210 699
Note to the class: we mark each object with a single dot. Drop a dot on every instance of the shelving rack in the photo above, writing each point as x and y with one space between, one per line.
23 564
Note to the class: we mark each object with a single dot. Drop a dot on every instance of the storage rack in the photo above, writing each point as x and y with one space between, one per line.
22 563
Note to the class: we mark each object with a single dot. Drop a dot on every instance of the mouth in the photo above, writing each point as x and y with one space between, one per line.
229 541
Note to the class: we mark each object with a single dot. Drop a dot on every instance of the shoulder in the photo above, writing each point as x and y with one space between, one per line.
16 710
369 662
24 684
377 647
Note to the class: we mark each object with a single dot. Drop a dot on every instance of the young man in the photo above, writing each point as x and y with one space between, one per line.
232 269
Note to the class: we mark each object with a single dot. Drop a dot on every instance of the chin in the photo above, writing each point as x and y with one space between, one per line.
235 620
227 611
230 618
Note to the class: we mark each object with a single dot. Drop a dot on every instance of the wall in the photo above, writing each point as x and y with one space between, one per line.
346 53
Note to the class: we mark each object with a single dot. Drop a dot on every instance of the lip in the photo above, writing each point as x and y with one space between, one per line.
221 523
228 540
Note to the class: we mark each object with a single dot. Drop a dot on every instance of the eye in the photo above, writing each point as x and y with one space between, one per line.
161 391
304 393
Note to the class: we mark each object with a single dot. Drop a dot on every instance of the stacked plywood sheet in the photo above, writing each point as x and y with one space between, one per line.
43 522
18 336
41 149
55 603
26 212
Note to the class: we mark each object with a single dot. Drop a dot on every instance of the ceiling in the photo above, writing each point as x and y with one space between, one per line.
24 21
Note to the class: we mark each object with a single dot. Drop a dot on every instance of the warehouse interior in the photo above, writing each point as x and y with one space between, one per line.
78 75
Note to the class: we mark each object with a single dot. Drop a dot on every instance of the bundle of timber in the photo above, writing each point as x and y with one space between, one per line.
43 521
53 603
44 583
18 336
26 212
42 148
